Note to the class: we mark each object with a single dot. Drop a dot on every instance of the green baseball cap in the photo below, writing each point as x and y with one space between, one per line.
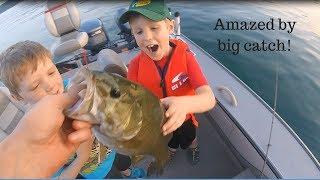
155 10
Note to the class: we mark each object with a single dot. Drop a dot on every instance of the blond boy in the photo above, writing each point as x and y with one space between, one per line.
27 70
169 69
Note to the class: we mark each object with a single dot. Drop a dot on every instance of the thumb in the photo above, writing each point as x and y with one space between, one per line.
67 99
164 100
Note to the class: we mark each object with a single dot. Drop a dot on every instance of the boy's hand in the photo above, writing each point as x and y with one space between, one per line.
84 150
176 113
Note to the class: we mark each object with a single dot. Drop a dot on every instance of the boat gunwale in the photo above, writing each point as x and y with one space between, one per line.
278 117
252 142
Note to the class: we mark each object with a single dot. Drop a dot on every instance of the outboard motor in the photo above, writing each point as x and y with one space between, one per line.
177 30
62 20
98 37
124 28
125 31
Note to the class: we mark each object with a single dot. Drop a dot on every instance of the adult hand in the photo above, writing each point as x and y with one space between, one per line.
43 140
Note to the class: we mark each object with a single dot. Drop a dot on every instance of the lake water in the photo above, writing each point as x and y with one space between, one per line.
299 72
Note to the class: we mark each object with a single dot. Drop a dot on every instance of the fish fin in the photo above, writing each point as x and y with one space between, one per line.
152 169
156 167
135 159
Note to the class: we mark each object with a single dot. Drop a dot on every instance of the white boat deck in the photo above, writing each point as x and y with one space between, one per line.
216 158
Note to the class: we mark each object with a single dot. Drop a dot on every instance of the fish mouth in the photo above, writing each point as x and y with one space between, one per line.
79 104
82 109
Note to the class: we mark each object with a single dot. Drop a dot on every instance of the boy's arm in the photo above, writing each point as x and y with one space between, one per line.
203 101
180 106
72 170
83 154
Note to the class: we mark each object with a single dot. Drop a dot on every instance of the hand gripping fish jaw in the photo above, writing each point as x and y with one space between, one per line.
126 116
99 104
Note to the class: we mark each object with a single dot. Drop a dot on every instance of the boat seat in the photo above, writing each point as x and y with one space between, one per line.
112 62
63 20
10 113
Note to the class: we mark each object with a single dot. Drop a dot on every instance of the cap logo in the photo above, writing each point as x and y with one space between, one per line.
140 3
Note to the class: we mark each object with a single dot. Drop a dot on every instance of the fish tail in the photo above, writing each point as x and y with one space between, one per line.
157 166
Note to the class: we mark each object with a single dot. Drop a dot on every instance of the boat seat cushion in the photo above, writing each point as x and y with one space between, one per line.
10 114
62 18
69 43
112 62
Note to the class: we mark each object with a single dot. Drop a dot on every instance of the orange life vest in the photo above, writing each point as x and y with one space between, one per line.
172 80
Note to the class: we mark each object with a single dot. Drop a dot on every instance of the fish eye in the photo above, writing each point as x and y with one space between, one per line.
115 93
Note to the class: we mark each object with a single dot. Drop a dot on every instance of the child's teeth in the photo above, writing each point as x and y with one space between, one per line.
152 48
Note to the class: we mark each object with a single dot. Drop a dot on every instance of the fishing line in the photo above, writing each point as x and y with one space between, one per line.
273 116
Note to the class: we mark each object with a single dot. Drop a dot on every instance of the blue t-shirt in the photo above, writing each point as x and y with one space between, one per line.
103 169
66 82
100 172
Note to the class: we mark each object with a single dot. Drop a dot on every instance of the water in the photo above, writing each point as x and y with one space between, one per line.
299 72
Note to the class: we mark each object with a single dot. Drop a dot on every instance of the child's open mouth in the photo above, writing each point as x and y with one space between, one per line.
153 48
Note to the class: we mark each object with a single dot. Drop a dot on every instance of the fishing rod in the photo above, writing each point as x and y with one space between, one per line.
272 120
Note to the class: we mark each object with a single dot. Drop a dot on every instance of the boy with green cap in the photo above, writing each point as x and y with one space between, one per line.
169 69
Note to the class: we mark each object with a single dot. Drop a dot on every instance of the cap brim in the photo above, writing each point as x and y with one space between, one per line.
149 14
